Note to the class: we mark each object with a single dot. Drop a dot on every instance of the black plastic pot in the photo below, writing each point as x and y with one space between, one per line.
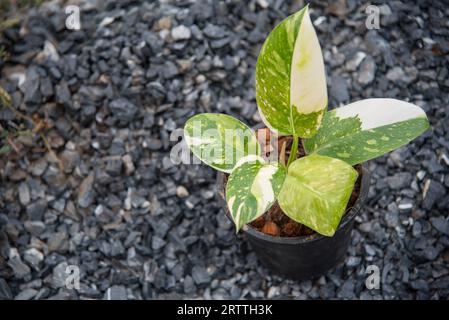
307 257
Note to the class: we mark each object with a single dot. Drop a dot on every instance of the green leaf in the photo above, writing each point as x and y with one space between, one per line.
316 191
252 188
291 88
367 129
5 98
219 140
5 149
4 134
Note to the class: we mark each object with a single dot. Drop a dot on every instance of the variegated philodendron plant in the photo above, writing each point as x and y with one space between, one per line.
292 99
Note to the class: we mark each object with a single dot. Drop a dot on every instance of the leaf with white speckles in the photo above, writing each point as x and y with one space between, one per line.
316 191
251 190
219 140
366 129
291 87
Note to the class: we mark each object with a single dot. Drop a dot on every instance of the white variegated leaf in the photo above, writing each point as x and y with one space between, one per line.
252 188
290 78
220 140
366 129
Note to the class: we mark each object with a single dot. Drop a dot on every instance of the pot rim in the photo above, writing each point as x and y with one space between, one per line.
347 218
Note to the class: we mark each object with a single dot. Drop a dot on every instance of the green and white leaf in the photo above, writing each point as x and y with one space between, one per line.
291 87
5 98
252 188
219 140
316 191
366 129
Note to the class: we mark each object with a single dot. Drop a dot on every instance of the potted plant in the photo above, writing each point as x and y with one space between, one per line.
298 209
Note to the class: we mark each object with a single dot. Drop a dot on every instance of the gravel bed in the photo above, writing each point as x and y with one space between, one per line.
141 227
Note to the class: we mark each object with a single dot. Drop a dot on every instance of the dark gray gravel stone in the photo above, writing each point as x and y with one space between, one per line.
189 285
433 192
86 191
214 31
63 95
20 269
440 224
37 209
30 88
346 291
123 110
157 243
367 71
200 275
24 194
5 291
26 294
114 166
339 89
399 180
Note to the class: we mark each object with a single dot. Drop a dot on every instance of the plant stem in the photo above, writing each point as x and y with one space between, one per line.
293 151
303 147
282 154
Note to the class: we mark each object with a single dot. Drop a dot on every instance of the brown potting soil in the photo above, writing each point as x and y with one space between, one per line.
275 222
